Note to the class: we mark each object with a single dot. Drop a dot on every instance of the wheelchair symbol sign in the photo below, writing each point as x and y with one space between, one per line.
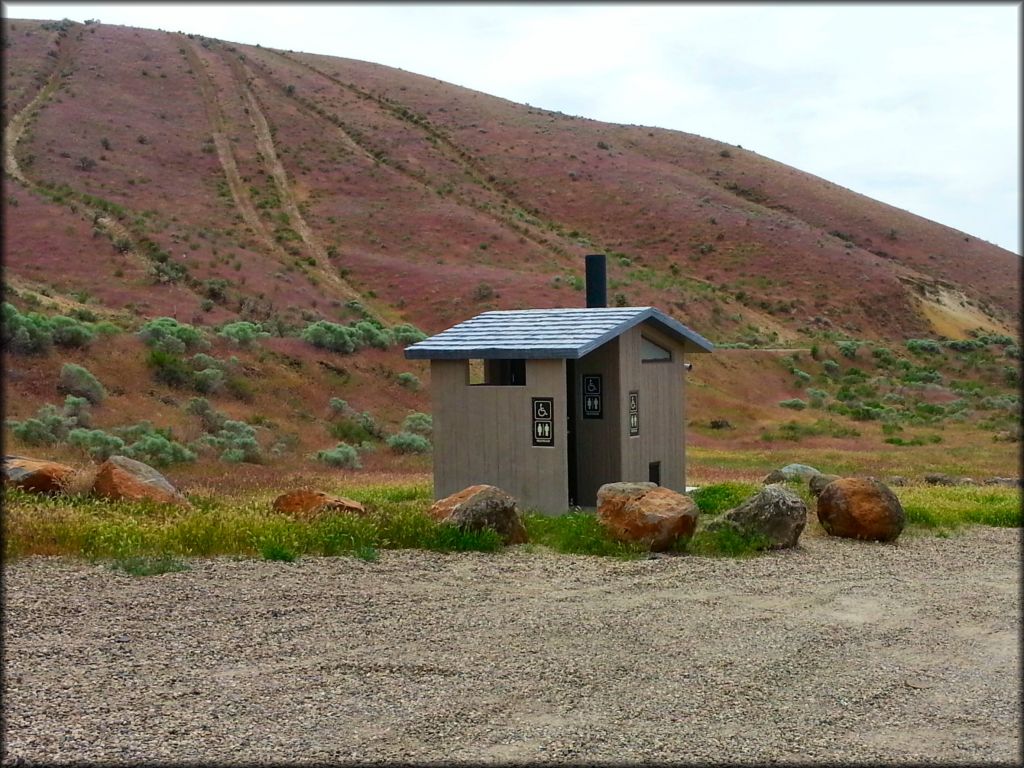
543 421
592 396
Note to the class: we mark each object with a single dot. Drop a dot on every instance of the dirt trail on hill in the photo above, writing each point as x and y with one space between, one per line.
225 155
15 130
16 126
265 145
452 153
838 651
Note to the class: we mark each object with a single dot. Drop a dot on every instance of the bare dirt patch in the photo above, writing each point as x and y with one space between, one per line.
838 651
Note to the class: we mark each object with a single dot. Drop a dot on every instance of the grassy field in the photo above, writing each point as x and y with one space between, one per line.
149 538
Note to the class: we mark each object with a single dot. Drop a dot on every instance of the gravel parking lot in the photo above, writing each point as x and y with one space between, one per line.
837 651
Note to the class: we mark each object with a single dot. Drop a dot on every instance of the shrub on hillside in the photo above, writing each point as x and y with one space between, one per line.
167 334
158 450
47 427
168 367
418 424
407 442
372 334
237 442
97 443
212 419
25 334
848 349
924 346
208 380
337 405
243 333
327 335
342 455
795 403
408 380
406 333
76 380
78 409
68 332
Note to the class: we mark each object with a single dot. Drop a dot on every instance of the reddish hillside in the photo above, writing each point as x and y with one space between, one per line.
153 173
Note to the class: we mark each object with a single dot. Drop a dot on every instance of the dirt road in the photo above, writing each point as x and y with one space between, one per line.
839 651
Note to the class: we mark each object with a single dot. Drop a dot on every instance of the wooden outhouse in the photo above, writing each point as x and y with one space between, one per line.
550 404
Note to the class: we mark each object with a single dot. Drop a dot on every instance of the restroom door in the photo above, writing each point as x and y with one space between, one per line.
570 431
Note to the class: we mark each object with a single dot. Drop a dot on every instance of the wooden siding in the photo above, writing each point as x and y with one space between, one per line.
599 456
662 428
483 434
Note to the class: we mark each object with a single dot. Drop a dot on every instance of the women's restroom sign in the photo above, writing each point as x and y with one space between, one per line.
543 421
634 413
592 396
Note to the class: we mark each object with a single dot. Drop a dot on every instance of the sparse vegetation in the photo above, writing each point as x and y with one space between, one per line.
77 380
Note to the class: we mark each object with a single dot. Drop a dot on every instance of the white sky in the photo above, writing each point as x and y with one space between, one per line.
915 105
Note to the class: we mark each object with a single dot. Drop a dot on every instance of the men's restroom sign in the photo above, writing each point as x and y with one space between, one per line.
592 397
634 413
543 421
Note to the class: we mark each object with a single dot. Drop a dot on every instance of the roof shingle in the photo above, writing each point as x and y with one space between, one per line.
546 333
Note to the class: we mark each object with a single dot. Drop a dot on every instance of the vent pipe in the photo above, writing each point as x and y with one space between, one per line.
597 281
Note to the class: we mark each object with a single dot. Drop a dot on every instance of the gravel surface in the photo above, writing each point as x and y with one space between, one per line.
837 651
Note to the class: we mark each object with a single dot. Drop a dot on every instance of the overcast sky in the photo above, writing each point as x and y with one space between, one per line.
915 105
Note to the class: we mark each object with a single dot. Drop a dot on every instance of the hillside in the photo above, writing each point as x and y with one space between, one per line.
155 174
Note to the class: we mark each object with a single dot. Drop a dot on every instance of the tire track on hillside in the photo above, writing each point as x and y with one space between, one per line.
16 126
454 153
226 156
266 147
14 131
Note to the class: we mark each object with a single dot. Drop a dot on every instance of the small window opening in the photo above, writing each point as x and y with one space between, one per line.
654 472
653 353
497 373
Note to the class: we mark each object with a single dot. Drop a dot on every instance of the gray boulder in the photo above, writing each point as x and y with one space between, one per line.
774 512
817 483
1008 482
482 506
791 472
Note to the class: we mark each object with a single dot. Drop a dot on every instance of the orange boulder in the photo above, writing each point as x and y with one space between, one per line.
120 478
645 512
860 508
36 475
482 506
307 504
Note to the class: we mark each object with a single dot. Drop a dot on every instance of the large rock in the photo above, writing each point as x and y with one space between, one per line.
482 506
647 513
790 472
817 483
861 508
122 479
307 504
774 512
36 475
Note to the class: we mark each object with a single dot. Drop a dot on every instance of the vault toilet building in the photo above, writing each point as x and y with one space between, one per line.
550 404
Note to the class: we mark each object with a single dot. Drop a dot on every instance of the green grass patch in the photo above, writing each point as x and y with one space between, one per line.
97 530
726 541
717 498
578 533
943 507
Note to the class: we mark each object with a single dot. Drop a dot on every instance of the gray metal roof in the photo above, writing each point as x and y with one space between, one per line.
546 333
